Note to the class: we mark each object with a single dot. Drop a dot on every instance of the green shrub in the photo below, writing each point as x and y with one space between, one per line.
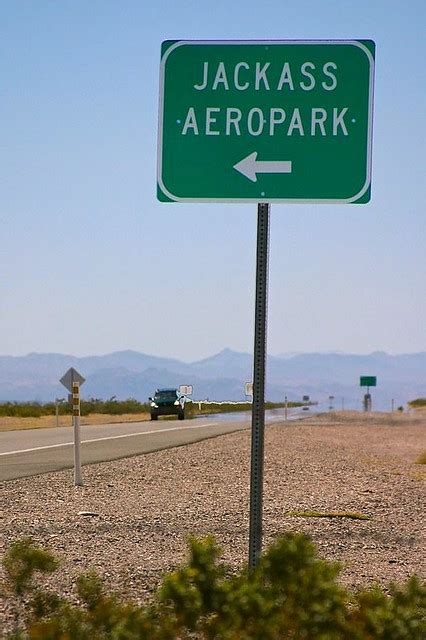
419 402
92 405
120 407
112 406
24 409
292 594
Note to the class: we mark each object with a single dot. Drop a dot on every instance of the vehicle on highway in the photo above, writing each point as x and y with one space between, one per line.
167 402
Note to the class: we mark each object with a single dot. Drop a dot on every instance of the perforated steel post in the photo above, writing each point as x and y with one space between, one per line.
259 368
78 480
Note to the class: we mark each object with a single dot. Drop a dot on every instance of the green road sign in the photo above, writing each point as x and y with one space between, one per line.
367 381
279 121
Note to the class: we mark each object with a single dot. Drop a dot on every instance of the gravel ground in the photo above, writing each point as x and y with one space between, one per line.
147 506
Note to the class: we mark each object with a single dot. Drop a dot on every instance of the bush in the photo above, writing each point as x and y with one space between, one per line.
24 409
120 407
112 406
92 405
419 402
291 594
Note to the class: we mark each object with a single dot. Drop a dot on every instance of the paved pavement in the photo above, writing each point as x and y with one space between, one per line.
34 451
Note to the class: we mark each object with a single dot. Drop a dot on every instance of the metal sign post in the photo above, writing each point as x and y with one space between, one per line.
259 368
57 411
72 380
367 381
78 480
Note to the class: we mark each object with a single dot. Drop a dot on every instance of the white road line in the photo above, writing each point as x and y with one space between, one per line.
125 435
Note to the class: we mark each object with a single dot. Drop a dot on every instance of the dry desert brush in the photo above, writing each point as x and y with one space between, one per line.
291 594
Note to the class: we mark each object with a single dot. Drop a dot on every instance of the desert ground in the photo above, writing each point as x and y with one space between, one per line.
144 508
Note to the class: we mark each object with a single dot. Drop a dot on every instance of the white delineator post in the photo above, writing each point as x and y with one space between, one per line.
78 480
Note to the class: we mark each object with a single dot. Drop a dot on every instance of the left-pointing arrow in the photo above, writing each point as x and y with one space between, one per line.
250 166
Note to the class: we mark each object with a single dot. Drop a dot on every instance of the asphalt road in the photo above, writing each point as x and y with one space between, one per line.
34 451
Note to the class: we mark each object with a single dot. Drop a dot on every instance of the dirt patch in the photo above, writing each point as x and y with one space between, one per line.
144 508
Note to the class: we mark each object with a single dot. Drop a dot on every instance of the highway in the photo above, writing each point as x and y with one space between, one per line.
34 451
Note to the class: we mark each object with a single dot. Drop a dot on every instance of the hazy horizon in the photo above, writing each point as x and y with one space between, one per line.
209 355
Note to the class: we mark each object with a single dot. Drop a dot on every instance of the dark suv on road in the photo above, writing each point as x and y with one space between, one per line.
167 402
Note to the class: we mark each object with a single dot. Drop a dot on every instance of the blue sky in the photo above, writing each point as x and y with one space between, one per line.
90 262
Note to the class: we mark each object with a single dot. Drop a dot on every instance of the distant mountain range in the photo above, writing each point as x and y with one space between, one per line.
126 374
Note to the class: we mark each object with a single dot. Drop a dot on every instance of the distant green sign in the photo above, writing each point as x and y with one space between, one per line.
367 381
266 121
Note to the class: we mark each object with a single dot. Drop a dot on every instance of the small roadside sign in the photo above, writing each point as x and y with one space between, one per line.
185 389
72 380
248 388
367 381
71 376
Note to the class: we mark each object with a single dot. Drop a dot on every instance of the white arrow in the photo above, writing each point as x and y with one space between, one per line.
249 166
